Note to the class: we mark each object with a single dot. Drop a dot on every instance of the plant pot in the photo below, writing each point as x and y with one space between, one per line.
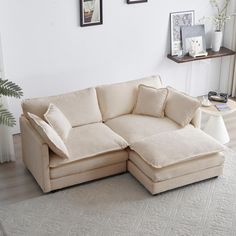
217 37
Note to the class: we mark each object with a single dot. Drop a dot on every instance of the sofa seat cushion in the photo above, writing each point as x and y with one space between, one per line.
87 164
119 99
176 146
89 141
136 127
176 170
80 107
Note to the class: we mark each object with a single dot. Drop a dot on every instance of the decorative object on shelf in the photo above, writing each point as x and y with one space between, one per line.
178 19
194 40
135 1
219 21
91 12
217 38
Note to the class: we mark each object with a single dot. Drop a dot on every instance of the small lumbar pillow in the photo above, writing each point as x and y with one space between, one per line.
181 107
49 135
151 101
58 121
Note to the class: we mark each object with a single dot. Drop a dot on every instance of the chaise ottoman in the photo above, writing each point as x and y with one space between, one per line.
173 159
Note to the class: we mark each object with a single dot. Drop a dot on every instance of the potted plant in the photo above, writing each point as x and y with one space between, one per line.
9 89
219 21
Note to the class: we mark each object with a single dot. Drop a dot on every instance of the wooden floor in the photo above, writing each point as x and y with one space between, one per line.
17 184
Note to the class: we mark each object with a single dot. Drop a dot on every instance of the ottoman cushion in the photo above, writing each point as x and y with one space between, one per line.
172 147
173 171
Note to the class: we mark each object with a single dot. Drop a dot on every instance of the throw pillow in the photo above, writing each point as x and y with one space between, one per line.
49 135
58 121
151 101
180 107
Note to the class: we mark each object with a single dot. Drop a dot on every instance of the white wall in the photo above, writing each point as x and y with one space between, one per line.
46 52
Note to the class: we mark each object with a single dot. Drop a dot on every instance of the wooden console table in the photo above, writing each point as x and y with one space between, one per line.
211 55
222 53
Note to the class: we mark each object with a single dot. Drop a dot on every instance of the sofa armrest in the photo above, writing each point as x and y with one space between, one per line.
196 121
35 154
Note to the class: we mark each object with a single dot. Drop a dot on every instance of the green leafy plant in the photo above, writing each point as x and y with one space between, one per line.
8 89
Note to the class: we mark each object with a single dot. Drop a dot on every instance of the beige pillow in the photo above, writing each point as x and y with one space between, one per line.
151 101
58 121
49 135
180 107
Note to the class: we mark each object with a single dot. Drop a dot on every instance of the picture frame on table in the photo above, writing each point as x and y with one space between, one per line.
178 19
136 1
91 12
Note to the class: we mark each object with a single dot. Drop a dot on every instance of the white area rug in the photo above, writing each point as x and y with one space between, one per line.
121 206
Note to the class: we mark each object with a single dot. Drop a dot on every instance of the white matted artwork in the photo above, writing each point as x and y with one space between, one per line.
194 44
178 19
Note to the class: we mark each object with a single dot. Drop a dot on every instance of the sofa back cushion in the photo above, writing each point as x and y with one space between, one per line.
119 99
80 107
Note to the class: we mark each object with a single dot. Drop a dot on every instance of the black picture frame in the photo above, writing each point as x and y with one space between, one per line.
87 19
136 1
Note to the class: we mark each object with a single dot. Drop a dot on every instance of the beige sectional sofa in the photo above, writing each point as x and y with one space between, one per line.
107 138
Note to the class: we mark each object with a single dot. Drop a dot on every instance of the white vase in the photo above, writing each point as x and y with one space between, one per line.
217 37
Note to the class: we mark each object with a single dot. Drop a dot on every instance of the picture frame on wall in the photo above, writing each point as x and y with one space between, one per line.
91 12
136 1
178 19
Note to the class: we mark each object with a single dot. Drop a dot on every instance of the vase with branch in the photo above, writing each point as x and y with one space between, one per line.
219 20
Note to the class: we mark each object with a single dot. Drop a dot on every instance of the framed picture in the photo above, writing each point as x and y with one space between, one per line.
91 12
135 1
193 38
178 19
